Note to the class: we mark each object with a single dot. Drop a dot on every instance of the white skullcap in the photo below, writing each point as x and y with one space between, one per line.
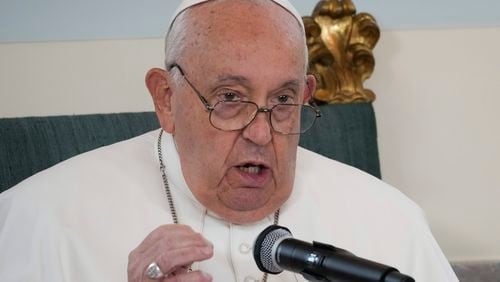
188 3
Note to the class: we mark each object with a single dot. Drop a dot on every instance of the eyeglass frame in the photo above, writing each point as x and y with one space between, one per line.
211 108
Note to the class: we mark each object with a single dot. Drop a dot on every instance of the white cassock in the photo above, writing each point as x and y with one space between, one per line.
78 220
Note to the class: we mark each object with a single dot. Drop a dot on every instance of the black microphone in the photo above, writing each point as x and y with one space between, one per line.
275 250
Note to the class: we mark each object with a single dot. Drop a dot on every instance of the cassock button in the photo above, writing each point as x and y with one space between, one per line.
244 248
251 279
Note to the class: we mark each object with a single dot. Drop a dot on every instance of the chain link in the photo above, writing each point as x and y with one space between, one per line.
163 170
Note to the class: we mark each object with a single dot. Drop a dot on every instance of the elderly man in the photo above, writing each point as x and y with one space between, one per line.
186 203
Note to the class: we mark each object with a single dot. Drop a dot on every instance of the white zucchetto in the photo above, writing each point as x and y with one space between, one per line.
188 3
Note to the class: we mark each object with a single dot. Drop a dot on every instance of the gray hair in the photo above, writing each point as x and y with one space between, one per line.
175 40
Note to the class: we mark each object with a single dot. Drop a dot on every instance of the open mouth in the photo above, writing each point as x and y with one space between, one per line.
251 168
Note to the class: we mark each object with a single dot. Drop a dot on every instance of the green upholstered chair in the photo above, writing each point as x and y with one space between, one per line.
31 144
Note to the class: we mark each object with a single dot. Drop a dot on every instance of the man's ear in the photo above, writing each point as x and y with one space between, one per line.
310 88
159 88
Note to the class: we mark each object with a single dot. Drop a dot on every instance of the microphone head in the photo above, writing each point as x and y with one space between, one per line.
264 249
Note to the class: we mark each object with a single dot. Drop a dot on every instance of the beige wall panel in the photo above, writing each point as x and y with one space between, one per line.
439 131
76 77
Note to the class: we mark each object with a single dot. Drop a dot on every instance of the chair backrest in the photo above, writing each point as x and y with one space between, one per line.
346 133
31 144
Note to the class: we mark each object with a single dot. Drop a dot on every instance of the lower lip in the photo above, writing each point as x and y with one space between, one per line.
251 180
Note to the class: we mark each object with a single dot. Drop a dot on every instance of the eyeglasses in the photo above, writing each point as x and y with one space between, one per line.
288 119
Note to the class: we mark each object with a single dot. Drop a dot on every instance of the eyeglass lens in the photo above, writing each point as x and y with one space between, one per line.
284 118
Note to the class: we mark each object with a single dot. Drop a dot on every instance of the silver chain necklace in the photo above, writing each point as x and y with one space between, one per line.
173 212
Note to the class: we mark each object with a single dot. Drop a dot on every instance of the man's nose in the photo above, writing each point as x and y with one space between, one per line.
259 131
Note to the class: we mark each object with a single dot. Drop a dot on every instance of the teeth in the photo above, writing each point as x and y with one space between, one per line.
250 169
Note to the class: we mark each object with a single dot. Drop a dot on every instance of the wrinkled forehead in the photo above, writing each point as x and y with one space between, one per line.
186 4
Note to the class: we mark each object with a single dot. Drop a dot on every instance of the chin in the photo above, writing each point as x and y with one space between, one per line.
246 199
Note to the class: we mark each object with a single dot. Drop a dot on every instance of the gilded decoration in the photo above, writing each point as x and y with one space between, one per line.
340 43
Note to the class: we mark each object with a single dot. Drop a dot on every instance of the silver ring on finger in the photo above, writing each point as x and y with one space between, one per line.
154 272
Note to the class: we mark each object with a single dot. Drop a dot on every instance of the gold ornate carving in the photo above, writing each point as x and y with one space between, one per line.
340 46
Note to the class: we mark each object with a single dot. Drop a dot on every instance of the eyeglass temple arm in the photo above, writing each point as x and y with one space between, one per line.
202 99
312 103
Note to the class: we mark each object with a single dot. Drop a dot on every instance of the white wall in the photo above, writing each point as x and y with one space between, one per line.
439 133
437 118
76 77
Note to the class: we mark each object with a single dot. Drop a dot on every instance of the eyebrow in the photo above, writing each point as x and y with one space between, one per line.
292 83
234 79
